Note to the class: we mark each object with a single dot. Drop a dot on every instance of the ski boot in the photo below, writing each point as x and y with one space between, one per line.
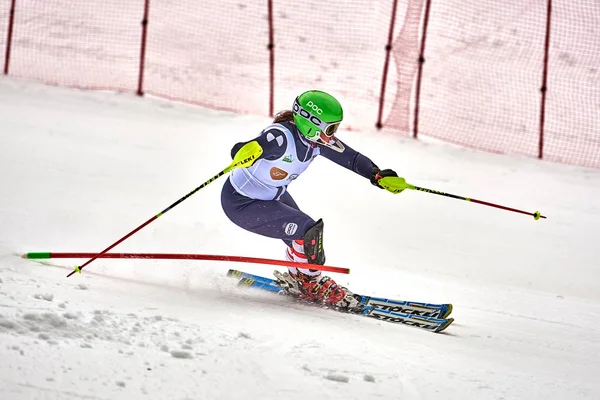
317 289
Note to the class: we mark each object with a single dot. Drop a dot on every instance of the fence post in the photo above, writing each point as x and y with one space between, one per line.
271 47
11 20
420 71
386 65
140 90
544 87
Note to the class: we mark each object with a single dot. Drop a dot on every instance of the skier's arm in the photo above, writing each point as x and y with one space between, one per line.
350 159
273 143
360 164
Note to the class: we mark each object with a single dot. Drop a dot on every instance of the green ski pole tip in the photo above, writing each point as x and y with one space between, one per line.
536 215
77 269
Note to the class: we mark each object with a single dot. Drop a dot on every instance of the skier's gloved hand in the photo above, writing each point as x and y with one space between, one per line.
377 174
394 185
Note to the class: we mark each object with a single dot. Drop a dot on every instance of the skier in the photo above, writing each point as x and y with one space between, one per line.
256 198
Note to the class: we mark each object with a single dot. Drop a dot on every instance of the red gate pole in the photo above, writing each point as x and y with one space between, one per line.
271 47
544 87
140 90
11 20
420 72
167 256
386 65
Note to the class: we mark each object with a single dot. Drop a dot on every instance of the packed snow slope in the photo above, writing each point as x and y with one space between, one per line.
82 169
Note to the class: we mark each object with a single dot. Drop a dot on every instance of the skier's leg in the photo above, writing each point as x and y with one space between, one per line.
272 218
287 199
309 283
283 219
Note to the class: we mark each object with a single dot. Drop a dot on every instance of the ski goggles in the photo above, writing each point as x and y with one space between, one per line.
327 128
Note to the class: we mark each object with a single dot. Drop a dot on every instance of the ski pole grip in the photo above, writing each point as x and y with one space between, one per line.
246 156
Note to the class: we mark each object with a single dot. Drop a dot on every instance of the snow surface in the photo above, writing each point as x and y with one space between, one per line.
82 169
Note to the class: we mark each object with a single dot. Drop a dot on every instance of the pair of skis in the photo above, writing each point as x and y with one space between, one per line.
427 316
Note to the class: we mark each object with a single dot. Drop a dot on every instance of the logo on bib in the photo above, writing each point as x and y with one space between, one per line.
291 228
288 159
277 174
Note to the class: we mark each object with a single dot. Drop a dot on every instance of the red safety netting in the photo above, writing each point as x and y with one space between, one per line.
572 129
479 85
402 78
212 53
337 46
85 43
482 75
4 23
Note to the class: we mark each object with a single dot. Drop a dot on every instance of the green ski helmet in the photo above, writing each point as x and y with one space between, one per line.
317 116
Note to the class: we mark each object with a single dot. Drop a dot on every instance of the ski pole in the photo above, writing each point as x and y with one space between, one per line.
397 184
245 157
